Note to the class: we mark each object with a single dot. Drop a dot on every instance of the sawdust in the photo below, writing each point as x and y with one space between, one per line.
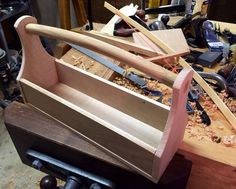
195 128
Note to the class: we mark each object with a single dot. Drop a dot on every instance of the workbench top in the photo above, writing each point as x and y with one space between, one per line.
215 156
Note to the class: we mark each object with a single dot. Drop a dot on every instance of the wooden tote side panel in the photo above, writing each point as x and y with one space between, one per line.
153 113
124 148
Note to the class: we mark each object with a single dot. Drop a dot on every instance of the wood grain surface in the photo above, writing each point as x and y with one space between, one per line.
98 46
208 157
166 48
29 128
107 115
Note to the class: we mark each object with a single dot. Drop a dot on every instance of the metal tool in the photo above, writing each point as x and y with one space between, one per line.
212 40
204 116
7 88
220 81
132 77
74 177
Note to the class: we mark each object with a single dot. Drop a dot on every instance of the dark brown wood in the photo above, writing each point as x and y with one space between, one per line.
222 10
64 13
31 129
80 12
209 174
61 49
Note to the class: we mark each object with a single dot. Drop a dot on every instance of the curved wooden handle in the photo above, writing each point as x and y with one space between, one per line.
153 70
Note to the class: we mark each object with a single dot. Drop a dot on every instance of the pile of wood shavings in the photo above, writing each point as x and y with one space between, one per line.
81 63
229 101
195 128
152 85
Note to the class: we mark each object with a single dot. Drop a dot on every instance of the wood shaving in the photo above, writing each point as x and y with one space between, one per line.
228 140
229 101
77 60
195 128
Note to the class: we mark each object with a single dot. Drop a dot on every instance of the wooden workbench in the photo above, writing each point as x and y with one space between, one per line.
213 164
31 129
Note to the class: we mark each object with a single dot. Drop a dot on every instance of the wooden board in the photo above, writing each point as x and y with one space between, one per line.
124 44
76 58
91 130
174 38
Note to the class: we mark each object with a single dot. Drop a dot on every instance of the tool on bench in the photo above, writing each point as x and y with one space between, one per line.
140 82
220 82
194 34
75 178
121 28
209 58
7 72
231 81
228 72
195 98
230 36
212 40
226 34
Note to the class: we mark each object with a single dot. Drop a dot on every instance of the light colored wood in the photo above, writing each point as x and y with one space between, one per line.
37 64
90 127
127 45
131 127
212 94
155 71
167 56
225 25
90 65
128 102
141 39
174 38
176 41
175 126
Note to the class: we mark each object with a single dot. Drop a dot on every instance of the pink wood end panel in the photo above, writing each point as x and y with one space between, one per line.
176 123
37 65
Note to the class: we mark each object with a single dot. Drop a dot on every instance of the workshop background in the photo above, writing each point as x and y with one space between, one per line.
14 174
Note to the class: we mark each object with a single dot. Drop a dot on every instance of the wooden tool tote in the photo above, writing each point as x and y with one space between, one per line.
140 132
